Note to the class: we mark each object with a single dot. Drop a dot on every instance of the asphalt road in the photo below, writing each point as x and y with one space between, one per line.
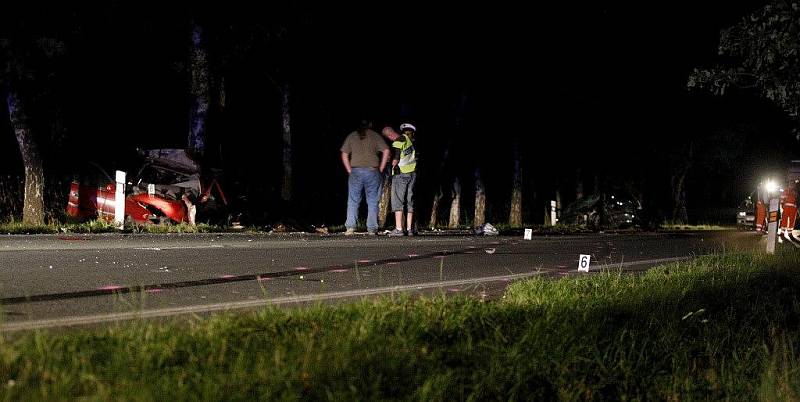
52 280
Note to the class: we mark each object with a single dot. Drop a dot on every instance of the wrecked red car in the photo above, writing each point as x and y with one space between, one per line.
168 187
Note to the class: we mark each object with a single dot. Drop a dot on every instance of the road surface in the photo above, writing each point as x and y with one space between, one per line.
61 280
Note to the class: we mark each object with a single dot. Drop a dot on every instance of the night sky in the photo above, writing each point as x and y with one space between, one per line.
600 88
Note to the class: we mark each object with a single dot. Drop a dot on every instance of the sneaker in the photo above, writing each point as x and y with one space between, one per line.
396 233
412 233
349 232
372 232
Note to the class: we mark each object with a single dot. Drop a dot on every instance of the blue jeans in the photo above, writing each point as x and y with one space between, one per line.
369 181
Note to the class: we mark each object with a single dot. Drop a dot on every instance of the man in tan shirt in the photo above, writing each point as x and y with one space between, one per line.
360 152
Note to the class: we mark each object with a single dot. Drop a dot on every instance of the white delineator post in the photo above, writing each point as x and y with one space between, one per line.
772 225
119 201
553 218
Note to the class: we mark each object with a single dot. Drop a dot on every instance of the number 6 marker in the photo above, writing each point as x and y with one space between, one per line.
583 263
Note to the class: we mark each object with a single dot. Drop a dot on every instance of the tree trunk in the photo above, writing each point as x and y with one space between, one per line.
601 220
199 87
286 188
679 214
386 197
455 205
222 93
515 213
558 203
33 204
547 215
677 181
480 200
578 185
435 209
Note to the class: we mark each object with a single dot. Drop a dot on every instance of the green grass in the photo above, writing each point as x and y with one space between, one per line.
17 227
560 228
101 226
695 227
723 327
185 228
507 229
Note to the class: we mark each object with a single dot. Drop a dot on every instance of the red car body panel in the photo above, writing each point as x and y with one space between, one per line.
86 202
175 210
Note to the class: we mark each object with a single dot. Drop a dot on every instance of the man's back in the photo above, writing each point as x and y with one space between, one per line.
364 152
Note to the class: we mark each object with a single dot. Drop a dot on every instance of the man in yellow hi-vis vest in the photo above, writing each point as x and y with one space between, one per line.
404 166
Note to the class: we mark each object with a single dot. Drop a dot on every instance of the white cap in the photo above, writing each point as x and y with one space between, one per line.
407 126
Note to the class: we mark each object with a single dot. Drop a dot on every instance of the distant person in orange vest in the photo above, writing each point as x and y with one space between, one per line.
364 156
789 208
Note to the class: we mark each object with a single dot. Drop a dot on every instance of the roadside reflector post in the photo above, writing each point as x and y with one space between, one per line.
553 217
119 201
772 225
583 262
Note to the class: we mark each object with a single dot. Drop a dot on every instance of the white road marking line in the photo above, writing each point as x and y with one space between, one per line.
165 312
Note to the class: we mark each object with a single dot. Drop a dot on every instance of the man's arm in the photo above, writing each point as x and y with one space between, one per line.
346 162
384 158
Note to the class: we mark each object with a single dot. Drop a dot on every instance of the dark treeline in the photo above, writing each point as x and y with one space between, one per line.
588 107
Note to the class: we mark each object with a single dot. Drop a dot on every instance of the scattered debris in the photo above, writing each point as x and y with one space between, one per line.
291 226
486 230
278 228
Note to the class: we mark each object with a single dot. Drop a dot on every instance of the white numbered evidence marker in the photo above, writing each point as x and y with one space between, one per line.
583 263
528 234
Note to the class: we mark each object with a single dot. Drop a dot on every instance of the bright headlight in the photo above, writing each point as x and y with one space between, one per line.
771 186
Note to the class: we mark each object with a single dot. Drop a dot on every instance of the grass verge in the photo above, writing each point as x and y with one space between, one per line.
722 327
101 226
538 229
694 228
